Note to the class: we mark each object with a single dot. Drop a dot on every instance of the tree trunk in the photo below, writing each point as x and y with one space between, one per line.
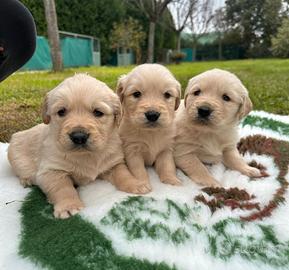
53 36
178 41
151 41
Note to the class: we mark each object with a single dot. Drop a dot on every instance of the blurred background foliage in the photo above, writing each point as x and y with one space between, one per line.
97 18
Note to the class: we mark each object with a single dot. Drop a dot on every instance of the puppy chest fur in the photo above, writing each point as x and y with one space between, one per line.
207 143
148 143
208 147
150 95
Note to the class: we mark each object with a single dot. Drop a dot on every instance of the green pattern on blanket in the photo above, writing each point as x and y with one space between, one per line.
266 123
68 244
261 245
126 215
146 218
76 244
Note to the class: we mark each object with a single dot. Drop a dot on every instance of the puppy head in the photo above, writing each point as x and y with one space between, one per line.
149 94
216 98
82 112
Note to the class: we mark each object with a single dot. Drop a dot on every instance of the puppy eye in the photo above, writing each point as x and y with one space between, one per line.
137 94
167 95
62 112
226 98
197 92
98 113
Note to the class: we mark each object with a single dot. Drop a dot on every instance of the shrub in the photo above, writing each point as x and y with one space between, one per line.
280 43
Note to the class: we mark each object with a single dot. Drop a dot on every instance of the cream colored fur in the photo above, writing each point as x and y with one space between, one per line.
46 156
215 140
149 143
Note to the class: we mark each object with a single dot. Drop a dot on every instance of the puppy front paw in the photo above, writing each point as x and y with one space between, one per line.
211 183
67 208
207 182
252 172
171 180
137 188
26 182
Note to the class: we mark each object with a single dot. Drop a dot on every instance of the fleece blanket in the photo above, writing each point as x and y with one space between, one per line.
244 225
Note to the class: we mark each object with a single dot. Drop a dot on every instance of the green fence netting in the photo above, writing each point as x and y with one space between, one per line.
211 52
41 58
188 54
76 52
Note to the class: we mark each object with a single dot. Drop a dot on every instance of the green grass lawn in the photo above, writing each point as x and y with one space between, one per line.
21 95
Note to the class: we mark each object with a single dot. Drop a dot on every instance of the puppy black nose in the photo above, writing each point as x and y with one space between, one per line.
204 112
79 137
152 116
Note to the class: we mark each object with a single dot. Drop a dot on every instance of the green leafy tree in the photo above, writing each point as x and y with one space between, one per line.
90 17
37 10
128 34
280 43
257 21
97 17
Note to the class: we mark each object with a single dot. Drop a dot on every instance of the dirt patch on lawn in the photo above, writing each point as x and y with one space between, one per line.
15 117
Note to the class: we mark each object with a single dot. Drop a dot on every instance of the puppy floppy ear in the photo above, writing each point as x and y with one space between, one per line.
178 98
188 90
185 99
120 87
178 101
117 110
187 93
45 116
245 107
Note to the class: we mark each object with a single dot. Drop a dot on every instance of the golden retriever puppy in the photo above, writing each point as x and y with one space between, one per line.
150 95
207 125
78 142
